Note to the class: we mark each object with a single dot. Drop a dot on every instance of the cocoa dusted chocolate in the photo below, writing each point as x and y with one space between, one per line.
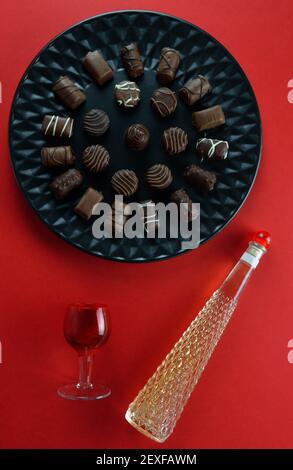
66 183
168 65
137 137
88 201
131 60
125 182
57 157
174 140
68 92
164 101
212 148
159 177
195 89
181 197
127 94
57 126
203 179
208 118
97 67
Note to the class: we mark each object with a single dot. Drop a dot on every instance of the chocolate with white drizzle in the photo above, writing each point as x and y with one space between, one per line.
96 158
131 59
195 89
150 217
57 157
57 126
127 94
125 182
168 65
212 148
66 183
159 176
71 95
174 140
163 101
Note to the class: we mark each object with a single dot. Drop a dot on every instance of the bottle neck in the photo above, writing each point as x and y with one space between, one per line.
238 277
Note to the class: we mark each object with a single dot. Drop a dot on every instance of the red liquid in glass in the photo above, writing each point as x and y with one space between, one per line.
86 327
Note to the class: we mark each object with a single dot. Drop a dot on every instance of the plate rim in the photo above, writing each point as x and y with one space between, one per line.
63 237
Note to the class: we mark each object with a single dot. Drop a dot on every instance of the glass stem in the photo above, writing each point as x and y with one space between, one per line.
85 371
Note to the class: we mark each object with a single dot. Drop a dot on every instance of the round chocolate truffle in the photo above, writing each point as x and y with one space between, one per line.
96 122
174 140
164 101
127 94
96 158
125 182
137 137
159 177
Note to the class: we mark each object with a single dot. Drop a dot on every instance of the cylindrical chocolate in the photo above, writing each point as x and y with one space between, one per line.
88 201
65 183
200 178
181 197
71 95
195 89
97 67
168 65
131 60
57 126
57 157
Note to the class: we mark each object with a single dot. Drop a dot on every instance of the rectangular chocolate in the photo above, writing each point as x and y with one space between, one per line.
200 178
68 92
65 183
168 65
88 201
97 67
57 157
208 118
195 89
131 59
57 126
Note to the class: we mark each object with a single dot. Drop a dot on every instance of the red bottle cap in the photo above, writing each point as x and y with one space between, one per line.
263 238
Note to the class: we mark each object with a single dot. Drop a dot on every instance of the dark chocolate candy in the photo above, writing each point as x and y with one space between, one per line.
57 157
88 201
164 101
137 137
195 89
125 182
181 197
212 148
150 217
175 140
159 176
57 126
208 118
71 95
97 67
127 94
168 65
64 184
96 122
132 62
201 178
96 158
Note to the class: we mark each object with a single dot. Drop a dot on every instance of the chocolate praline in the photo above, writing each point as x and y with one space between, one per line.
164 101
96 122
159 176
137 137
127 94
125 182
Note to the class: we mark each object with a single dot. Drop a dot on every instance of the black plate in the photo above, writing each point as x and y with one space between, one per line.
200 54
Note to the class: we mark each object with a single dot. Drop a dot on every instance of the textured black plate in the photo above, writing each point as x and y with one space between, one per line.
200 54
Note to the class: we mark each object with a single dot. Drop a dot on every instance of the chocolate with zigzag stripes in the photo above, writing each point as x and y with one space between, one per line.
57 157
212 148
68 92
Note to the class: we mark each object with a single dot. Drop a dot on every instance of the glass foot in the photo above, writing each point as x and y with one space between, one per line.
74 392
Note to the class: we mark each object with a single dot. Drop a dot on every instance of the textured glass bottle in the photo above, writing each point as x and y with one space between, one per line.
159 404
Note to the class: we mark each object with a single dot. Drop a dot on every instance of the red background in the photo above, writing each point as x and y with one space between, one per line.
244 398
